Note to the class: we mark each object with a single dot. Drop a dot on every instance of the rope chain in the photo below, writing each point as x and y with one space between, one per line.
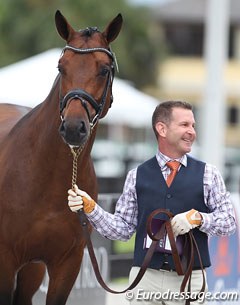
76 153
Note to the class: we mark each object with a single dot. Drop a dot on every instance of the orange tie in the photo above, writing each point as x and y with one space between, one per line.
173 165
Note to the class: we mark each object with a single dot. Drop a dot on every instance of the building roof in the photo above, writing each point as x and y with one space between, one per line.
193 11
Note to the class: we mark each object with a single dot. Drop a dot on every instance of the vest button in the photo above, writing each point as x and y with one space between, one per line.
169 196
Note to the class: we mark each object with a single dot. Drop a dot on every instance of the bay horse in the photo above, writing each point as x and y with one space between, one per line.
37 229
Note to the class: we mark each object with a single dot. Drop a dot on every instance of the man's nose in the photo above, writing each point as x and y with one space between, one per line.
192 130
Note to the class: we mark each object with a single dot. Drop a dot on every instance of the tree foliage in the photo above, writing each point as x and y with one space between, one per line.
27 28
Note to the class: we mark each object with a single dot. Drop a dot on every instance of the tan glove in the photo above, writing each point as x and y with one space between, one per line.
79 199
184 222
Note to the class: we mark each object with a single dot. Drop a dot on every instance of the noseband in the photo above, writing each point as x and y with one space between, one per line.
83 96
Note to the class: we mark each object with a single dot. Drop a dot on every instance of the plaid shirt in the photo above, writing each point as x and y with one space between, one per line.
122 224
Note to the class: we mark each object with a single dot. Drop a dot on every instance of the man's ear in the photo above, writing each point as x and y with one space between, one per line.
161 129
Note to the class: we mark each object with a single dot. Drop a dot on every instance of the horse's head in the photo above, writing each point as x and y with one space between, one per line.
86 73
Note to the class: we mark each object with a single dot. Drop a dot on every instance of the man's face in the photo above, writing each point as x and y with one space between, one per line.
179 134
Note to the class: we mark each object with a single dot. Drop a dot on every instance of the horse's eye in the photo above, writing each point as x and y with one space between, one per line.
60 68
104 71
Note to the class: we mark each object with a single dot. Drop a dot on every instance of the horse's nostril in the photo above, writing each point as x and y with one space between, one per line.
62 127
74 132
82 128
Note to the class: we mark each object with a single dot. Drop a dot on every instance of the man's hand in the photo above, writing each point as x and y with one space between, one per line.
79 199
184 222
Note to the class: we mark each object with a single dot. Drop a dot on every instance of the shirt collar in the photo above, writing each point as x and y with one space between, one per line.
163 159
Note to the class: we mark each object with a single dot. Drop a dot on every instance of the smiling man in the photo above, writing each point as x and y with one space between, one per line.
192 190
175 129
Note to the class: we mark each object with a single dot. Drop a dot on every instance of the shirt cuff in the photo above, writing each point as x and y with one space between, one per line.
206 222
94 213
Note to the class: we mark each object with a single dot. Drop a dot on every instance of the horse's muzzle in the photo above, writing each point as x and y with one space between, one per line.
74 133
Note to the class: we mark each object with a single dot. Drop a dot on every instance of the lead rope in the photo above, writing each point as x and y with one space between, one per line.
76 153
84 223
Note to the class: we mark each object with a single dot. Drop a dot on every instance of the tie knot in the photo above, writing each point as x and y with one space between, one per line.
173 165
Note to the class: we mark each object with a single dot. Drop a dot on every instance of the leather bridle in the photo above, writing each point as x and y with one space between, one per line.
84 97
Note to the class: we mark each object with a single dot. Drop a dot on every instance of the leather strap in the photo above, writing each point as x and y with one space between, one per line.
183 267
84 222
166 228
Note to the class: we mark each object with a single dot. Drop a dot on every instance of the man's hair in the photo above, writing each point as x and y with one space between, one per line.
163 112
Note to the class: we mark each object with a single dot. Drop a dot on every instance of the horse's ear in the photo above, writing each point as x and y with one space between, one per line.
64 28
112 30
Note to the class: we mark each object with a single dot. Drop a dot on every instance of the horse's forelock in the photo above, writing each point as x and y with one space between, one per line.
89 31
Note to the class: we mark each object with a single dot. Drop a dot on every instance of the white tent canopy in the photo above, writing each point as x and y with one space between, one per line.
29 81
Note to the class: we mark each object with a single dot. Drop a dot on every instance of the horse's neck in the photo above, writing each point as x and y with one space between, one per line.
41 127
40 159
37 137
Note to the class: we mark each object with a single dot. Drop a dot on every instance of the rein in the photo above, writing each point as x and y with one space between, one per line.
185 270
